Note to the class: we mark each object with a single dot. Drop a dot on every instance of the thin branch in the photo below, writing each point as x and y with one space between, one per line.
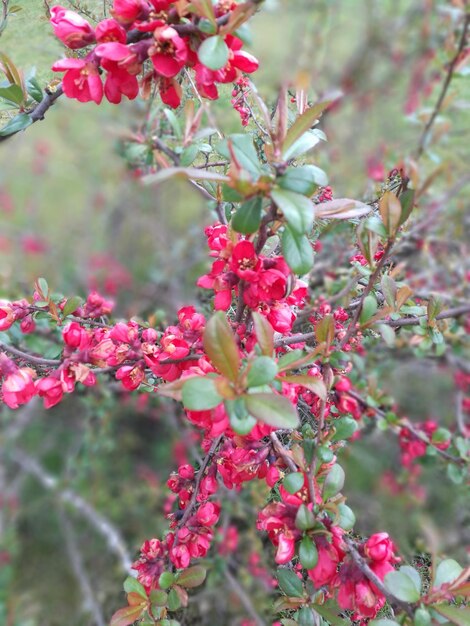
244 598
282 452
415 431
351 330
100 523
372 576
445 87
415 321
28 357
89 601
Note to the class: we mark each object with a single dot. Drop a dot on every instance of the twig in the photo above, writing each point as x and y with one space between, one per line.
415 321
244 598
407 424
445 87
89 601
279 448
101 524
299 338
372 576
28 357
372 279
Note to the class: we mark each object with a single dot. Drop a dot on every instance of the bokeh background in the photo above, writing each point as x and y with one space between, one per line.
73 210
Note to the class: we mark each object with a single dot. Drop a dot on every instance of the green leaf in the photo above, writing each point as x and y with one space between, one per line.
345 428
308 553
158 597
20 122
241 423
221 347
264 333
413 574
369 308
43 286
334 482
347 519
330 613
297 209
189 154
457 615
446 572
248 216
312 383
166 580
244 151
303 123
174 602
183 172
34 88
383 622
422 617
389 289
402 586
271 409
262 371
407 203
192 577
13 93
304 519
213 53
297 251
289 358
341 209
200 394
293 482
304 144
306 617
289 583
126 616
72 305
304 179
132 585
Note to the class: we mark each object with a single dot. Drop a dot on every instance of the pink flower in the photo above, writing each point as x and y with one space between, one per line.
130 376
127 11
81 79
379 547
180 556
208 514
169 53
50 388
18 387
109 30
7 316
115 59
74 31
285 548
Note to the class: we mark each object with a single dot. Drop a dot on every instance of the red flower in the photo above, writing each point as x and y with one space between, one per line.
109 30
208 514
169 53
131 376
116 59
81 80
127 11
379 547
50 388
71 28
245 262
7 316
18 386
170 92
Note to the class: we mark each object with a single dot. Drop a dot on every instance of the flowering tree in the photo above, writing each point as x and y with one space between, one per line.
265 373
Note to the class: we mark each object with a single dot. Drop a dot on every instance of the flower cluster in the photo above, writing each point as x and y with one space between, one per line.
144 44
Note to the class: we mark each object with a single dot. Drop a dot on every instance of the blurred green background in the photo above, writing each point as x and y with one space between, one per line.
71 210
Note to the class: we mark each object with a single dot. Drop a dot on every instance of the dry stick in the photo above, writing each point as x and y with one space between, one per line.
200 475
415 321
372 576
445 87
373 277
282 452
407 424
244 598
89 601
101 524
